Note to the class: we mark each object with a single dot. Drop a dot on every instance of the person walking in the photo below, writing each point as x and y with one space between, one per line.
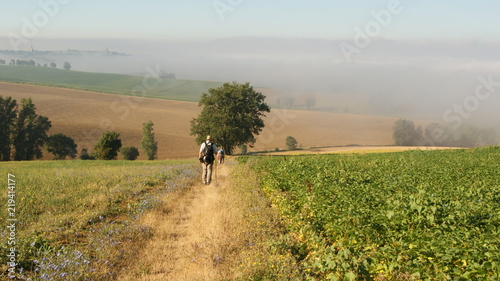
206 156
220 156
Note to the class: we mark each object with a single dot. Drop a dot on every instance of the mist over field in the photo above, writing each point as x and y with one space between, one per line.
413 79
429 79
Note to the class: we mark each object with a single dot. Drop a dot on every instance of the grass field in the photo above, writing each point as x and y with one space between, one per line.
416 215
77 220
143 86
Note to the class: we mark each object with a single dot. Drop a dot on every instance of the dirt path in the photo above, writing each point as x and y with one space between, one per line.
189 235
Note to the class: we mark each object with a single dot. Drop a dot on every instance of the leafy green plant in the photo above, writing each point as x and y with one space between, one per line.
419 215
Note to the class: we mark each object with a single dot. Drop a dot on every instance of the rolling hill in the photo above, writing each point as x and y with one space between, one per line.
148 85
85 115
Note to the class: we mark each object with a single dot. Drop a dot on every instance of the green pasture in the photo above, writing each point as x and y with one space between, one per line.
144 86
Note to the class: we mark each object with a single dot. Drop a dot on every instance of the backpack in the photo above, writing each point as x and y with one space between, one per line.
208 153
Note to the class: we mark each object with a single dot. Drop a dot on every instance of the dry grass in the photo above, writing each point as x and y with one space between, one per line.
84 116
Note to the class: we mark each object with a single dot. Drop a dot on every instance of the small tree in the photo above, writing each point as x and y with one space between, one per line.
61 146
404 132
53 65
84 155
129 153
148 143
67 65
107 146
291 143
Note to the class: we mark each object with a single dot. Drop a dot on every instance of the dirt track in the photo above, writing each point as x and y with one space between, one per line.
358 149
189 235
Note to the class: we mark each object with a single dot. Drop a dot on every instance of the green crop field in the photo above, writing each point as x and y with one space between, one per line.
416 215
77 220
144 86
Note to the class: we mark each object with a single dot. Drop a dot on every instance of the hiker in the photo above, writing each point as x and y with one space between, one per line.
220 156
206 156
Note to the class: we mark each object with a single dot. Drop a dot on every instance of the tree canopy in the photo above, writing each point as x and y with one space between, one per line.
30 132
291 143
61 146
232 115
404 133
129 153
107 146
8 114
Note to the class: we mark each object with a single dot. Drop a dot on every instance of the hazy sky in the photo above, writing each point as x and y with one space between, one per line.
207 19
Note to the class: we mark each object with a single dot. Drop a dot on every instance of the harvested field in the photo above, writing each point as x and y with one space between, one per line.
84 116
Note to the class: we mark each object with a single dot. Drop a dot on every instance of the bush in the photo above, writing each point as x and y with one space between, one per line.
291 143
84 155
61 146
129 153
108 145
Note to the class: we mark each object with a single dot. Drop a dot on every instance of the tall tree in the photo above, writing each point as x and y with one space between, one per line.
61 146
8 113
148 144
30 132
232 114
108 145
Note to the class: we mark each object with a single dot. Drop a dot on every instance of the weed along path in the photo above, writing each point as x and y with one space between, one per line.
190 237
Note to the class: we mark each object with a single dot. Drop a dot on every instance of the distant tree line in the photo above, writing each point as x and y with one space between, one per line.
407 134
108 146
23 135
66 65
166 75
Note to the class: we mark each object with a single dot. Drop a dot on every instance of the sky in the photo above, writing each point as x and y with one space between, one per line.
417 54
209 19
